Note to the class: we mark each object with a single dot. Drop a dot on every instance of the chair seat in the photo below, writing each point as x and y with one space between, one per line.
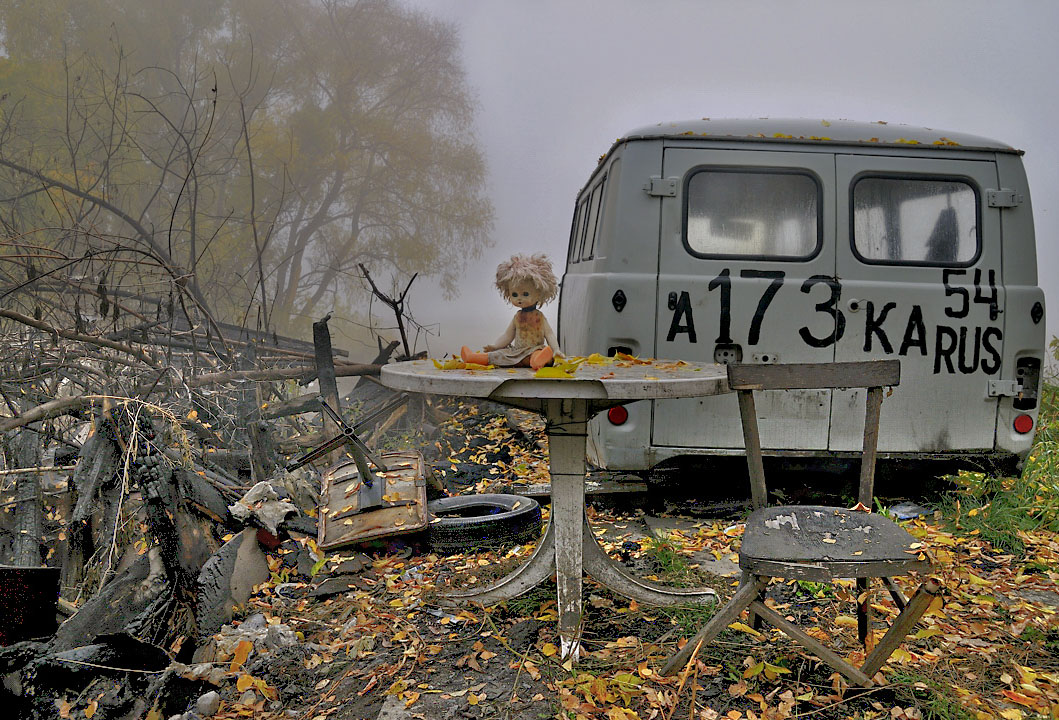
830 541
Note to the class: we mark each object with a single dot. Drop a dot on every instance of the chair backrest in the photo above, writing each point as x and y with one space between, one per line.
872 374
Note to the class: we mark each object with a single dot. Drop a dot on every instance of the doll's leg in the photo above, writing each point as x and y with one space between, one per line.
479 358
541 358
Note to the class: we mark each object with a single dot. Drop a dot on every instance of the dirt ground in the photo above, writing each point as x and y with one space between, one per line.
390 647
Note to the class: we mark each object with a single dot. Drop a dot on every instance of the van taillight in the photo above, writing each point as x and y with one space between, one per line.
617 415
1028 374
1023 424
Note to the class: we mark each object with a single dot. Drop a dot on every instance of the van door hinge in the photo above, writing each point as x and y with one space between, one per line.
661 187
1003 198
1004 388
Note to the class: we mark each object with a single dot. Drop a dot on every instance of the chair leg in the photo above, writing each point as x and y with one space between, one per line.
814 645
744 595
753 619
895 592
863 611
902 625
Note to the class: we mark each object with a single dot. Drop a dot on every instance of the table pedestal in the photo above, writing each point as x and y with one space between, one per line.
568 547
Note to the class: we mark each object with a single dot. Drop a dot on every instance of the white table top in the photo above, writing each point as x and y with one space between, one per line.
614 381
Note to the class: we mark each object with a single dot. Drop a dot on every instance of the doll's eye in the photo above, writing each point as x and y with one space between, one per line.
525 294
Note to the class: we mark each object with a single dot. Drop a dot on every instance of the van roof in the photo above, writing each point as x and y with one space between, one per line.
830 132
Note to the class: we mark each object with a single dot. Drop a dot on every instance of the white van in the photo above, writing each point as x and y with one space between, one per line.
762 241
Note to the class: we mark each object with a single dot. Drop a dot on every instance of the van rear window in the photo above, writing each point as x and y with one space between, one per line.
915 221
752 213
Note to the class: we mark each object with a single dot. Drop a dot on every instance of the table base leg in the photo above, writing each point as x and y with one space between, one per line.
540 567
600 566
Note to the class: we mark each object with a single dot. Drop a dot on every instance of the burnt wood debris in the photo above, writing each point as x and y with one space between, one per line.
150 467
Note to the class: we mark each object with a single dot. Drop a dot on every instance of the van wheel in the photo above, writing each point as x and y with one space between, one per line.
471 522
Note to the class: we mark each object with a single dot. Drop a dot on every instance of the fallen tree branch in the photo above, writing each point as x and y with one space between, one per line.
47 468
295 373
48 410
69 335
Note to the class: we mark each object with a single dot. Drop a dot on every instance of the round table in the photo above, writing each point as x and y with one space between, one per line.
568 547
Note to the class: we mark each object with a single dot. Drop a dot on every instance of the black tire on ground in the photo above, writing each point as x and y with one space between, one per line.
471 522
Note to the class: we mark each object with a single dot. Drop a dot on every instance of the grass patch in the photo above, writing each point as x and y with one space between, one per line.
671 567
933 699
689 617
1000 507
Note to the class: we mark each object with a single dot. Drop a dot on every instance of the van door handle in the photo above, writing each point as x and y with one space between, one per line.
853 305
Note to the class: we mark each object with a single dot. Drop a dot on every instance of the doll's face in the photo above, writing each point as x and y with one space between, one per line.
522 294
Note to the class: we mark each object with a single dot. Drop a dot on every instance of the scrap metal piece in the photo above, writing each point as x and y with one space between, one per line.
371 492
402 508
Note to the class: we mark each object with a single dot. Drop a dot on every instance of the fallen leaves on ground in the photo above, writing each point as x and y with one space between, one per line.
991 649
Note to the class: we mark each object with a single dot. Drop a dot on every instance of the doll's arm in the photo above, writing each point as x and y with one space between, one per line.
549 337
504 340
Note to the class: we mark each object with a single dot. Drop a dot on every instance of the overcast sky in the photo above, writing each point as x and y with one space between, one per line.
558 80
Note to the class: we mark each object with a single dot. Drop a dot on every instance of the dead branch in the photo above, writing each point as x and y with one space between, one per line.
296 373
80 337
395 304
50 409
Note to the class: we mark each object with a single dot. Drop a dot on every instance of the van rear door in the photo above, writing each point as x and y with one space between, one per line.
918 259
746 273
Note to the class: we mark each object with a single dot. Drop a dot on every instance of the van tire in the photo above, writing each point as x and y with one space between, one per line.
471 522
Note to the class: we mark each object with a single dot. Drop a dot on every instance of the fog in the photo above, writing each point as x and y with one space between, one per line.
557 82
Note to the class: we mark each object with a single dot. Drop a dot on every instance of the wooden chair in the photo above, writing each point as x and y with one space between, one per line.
819 543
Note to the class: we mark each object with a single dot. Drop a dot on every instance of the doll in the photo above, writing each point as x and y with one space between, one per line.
527 281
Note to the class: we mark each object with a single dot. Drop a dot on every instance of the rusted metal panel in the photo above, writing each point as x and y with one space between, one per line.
404 508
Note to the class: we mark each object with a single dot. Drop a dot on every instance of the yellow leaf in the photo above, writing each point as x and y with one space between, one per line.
64 709
242 652
774 671
901 655
926 633
472 699
91 709
743 627
1011 714
597 359
244 683
753 670
191 416
554 373
549 649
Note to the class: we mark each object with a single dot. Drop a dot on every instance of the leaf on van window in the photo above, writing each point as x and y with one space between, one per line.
784 136
825 123
906 141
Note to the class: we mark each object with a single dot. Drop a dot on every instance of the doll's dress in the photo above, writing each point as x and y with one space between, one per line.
529 338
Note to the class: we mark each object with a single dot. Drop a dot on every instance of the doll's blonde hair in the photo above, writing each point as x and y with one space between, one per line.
534 269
